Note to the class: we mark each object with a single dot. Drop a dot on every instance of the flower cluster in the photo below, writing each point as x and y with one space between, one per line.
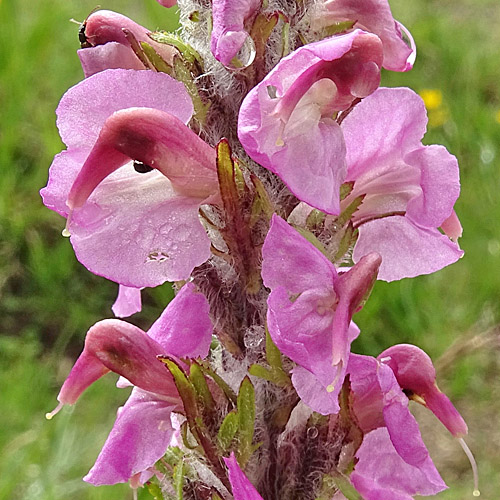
254 161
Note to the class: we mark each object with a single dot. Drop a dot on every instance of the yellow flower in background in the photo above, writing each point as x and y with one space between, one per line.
438 112
497 116
432 98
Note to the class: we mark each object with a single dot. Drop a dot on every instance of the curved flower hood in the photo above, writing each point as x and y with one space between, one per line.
138 229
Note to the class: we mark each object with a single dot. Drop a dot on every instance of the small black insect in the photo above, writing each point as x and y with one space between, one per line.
82 37
141 168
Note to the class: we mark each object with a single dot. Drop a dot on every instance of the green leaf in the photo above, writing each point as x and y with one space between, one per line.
346 189
346 488
315 219
261 372
185 387
262 207
183 74
330 485
189 54
154 490
273 354
155 59
246 421
347 241
339 27
229 393
179 480
206 401
226 171
228 430
346 215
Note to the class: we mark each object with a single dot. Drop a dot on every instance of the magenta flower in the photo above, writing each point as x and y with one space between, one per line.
138 229
286 123
373 16
228 33
409 189
310 309
392 440
243 489
105 33
142 430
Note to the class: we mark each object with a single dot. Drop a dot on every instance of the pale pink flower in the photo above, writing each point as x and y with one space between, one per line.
287 123
373 16
310 309
138 229
409 189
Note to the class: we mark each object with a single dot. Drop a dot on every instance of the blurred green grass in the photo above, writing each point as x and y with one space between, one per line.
48 300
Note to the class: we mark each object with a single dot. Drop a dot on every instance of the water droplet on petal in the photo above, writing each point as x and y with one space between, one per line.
245 55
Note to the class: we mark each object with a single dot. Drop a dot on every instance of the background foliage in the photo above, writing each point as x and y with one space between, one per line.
48 300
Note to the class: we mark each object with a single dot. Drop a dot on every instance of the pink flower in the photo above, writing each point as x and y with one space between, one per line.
108 45
409 189
392 440
382 474
416 374
142 430
286 123
228 33
310 309
138 229
243 489
373 16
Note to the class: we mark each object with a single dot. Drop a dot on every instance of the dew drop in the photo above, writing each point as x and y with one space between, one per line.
312 432
245 55
65 232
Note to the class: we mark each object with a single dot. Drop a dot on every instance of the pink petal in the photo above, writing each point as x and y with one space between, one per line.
114 345
452 227
128 302
382 128
113 55
140 436
184 329
107 27
292 262
136 230
415 372
313 393
155 138
228 33
243 489
85 107
381 474
292 133
440 184
406 249
374 16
